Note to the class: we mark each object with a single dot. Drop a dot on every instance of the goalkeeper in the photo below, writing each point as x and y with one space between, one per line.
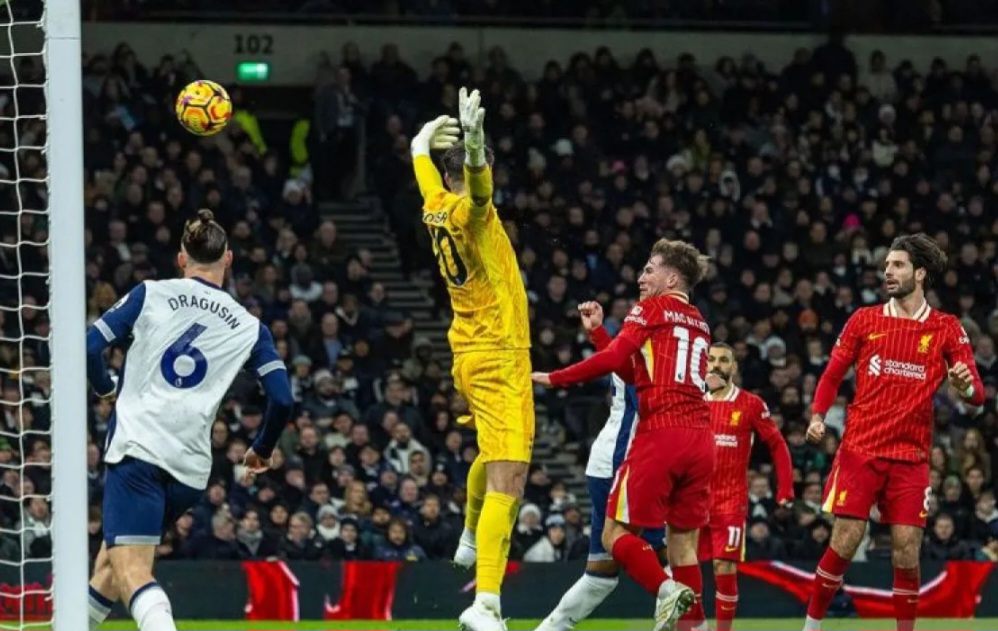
489 337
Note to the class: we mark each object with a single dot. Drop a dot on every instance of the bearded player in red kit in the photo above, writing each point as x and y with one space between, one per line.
902 350
736 417
662 349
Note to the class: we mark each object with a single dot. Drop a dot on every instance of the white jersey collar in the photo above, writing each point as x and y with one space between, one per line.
921 314
728 398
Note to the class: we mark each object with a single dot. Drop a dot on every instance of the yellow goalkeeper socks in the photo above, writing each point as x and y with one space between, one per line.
477 481
493 537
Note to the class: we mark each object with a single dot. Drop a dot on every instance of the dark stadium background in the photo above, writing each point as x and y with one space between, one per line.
793 176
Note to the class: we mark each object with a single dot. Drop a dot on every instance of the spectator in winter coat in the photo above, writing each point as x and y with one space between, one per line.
422 354
203 513
528 531
407 505
300 544
348 546
311 454
397 546
815 540
397 399
401 447
327 523
432 533
984 523
253 541
37 527
301 377
220 544
574 528
318 498
942 545
327 400
552 546
761 545
375 530
762 504
954 504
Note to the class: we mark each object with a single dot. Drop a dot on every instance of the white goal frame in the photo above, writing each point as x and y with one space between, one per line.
67 302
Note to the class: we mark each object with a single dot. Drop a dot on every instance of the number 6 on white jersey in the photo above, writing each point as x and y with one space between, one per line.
184 348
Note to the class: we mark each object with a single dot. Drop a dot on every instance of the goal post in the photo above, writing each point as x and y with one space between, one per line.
64 156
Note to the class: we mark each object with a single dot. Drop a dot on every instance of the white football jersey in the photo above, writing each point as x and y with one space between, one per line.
190 340
611 445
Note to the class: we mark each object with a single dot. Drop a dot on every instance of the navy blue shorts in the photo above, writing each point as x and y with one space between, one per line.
141 501
599 491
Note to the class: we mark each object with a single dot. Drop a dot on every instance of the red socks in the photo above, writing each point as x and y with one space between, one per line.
639 561
690 576
726 600
827 581
906 585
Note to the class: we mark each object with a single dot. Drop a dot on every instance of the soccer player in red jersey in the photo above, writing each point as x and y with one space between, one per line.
662 349
902 351
736 416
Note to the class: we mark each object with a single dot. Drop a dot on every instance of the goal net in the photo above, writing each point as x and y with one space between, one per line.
43 496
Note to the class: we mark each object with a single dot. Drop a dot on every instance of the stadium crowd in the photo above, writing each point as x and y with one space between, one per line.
794 180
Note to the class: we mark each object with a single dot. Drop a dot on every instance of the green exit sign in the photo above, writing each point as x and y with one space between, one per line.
252 71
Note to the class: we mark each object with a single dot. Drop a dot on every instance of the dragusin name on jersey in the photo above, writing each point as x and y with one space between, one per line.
205 304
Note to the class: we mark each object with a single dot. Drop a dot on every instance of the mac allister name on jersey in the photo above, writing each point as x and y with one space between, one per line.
611 445
189 341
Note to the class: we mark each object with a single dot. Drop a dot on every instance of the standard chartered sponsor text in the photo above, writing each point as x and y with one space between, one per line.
904 369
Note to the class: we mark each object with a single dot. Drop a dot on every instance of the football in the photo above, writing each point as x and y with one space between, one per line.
203 107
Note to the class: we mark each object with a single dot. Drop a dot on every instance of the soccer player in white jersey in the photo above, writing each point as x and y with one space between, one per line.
608 451
189 339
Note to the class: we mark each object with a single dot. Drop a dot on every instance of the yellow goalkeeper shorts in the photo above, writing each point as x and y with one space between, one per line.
496 384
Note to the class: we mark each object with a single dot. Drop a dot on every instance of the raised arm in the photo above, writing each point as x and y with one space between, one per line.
601 339
477 174
479 180
441 134
427 177
591 316
115 324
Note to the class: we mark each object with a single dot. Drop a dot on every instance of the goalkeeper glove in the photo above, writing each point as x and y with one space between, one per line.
440 133
473 125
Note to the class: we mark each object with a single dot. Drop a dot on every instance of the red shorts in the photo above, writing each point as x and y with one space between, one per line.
665 479
723 538
900 489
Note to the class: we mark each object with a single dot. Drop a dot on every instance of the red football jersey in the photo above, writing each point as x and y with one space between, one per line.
900 363
735 420
662 349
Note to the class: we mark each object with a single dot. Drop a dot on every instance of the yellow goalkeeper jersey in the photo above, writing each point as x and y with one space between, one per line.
476 260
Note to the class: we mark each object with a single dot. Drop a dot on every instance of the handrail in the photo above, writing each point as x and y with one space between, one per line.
286 18
663 24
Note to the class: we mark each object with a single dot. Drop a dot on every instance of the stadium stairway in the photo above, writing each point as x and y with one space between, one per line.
360 225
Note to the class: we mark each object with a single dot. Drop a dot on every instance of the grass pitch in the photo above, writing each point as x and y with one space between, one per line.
746 624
